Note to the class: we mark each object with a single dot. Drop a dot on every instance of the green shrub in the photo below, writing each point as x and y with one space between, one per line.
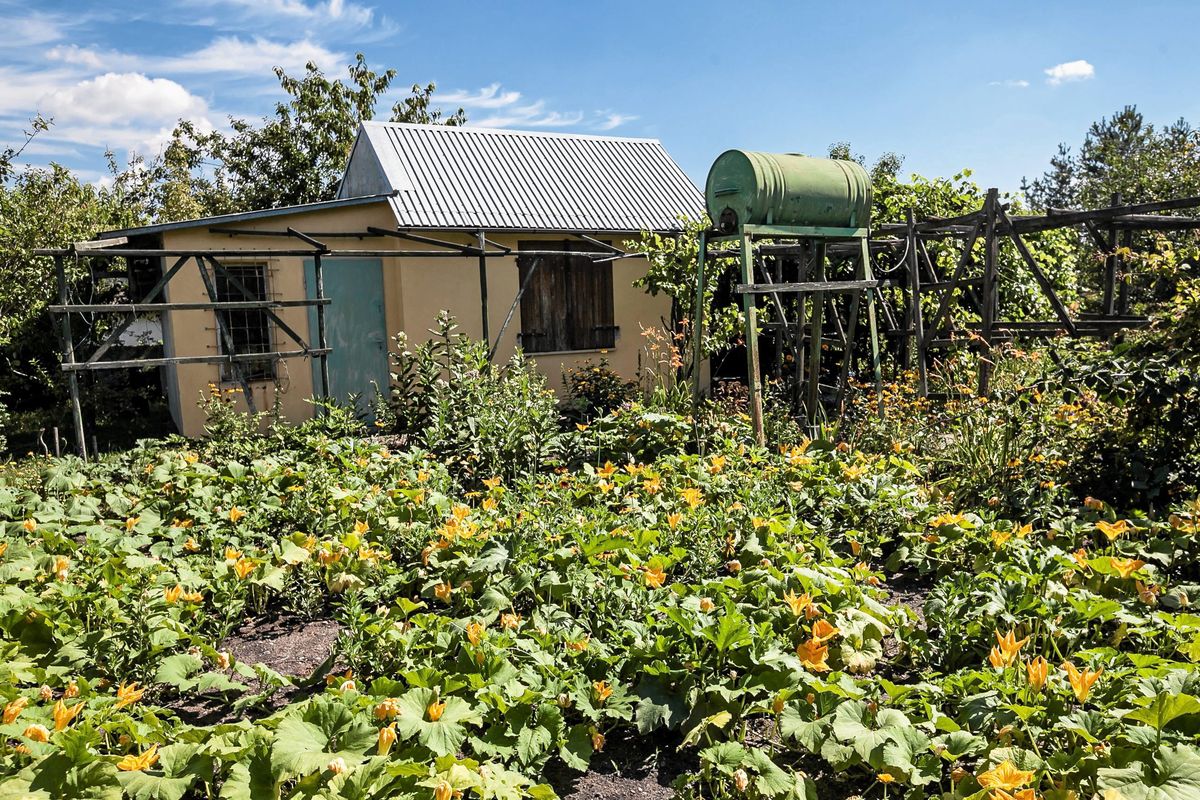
480 419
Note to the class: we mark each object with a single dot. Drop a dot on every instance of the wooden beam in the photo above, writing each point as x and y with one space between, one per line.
815 287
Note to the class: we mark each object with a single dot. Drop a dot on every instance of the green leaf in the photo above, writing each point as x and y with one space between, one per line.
56 777
443 736
771 780
725 756
1173 774
1164 708
177 669
576 751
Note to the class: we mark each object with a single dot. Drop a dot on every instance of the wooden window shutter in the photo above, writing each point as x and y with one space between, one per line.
568 300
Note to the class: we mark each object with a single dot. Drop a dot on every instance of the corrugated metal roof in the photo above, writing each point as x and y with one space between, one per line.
464 177
246 216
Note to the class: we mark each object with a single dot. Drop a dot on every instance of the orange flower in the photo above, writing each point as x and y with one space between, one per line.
654 577
1037 671
193 597
813 654
235 514
474 633
13 709
387 738
1081 682
1022 794
673 519
508 621
601 691
131 522
1113 529
1004 776
578 645
63 715
1006 649
1081 558
1126 566
30 525
443 591
716 464
1147 594
387 709
443 791
692 496
191 545
823 631
138 763
232 554
798 604
435 710
607 470
172 594
243 567
707 605
62 565
598 740
128 695
1094 504
36 732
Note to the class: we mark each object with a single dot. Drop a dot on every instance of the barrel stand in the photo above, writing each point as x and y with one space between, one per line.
813 246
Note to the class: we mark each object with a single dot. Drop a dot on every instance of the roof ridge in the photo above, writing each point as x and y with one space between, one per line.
481 129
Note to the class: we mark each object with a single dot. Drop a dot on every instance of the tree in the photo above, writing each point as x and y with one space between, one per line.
296 156
1121 154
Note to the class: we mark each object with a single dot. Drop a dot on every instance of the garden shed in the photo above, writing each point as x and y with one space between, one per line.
519 234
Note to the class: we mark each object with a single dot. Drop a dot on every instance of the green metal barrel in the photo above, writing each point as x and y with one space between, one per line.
748 188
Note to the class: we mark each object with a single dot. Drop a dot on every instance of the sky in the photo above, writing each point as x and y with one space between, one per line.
946 85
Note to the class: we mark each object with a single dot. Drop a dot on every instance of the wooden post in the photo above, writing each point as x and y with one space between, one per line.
990 301
750 310
801 312
868 274
69 358
483 286
814 338
1108 305
1123 287
698 322
322 344
914 285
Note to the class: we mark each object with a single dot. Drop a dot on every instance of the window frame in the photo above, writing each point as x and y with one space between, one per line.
242 322
569 283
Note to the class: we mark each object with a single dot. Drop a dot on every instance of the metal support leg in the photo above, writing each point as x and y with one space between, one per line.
322 344
868 274
483 287
698 323
815 336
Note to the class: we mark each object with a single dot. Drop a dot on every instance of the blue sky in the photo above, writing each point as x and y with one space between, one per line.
946 85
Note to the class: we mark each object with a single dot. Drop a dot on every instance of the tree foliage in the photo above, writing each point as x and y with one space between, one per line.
295 156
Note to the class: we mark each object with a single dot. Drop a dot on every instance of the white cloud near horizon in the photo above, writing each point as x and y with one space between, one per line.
1011 83
505 110
224 54
1069 72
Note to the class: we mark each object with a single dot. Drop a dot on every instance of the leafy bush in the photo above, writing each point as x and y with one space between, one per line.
594 390
480 419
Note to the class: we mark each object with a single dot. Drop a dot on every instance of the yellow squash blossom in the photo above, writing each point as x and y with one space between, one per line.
131 522
813 655
193 597
1000 538
492 483
361 527
1112 530
578 645
1020 794
654 577
943 520
1005 776
243 567
798 604
1094 504
387 738
1037 671
13 709
508 621
707 605
1081 558
387 709
1081 682
127 695
235 514
172 594
716 464
607 470
1147 594
146 760
1126 566
62 565
232 554
443 791
435 710
823 631
30 525
598 740
601 691
64 714
1024 530
474 633
191 545
443 591
692 496
673 519
36 732
1006 649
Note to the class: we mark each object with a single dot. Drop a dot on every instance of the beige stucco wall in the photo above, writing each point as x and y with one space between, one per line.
415 290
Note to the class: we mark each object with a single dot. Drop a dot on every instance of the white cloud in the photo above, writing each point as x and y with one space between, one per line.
612 121
336 12
1011 83
225 54
1069 71
33 29
487 97
507 111
123 97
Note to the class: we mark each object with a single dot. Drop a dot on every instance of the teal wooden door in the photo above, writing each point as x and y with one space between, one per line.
355 329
